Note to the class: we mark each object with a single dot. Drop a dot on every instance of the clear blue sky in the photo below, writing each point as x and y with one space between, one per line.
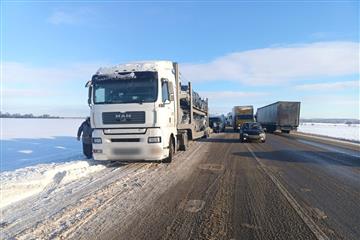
235 53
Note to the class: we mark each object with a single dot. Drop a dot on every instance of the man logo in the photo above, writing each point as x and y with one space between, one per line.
122 117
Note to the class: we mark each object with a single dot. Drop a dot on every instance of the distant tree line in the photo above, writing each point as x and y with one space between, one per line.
27 115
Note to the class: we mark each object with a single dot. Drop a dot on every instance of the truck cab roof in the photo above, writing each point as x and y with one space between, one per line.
138 66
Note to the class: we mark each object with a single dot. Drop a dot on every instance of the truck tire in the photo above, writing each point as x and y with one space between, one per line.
171 152
285 131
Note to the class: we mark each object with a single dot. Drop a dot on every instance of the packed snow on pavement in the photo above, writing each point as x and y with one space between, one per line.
38 152
340 131
57 196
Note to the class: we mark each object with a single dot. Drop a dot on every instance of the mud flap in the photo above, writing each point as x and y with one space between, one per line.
183 141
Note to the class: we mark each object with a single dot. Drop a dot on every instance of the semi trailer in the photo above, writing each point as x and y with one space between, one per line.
242 114
283 116
140 111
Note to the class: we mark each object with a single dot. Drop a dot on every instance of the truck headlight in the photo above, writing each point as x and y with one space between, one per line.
262 135
97 140
154 140
245 134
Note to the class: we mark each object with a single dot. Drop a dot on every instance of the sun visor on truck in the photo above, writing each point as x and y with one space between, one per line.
99 77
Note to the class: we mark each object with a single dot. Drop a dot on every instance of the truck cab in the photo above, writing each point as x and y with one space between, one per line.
133 111
140 111
217 123
241 115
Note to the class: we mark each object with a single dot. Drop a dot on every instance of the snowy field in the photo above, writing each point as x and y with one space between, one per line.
36 153
341 131
27 142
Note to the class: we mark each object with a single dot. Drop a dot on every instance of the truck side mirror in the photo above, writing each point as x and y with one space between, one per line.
89 95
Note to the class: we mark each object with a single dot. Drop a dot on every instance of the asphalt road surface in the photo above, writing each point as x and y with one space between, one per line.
291 187
286 188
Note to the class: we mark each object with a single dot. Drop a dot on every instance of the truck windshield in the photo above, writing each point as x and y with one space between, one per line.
215 119
255 126
141 87
245 116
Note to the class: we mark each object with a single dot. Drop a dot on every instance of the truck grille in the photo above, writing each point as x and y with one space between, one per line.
125 140
123 117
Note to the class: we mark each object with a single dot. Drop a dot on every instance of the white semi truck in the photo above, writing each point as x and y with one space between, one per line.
140 111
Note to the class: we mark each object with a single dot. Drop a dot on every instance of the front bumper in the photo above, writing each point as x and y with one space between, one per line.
254 137
127 147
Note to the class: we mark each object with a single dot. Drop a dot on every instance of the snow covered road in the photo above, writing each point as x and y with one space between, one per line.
48 189
60 195
62 207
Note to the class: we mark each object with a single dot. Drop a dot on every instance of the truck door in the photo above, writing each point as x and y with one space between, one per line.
168 110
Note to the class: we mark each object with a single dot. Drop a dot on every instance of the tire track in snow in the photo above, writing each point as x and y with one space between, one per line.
61 211
39 209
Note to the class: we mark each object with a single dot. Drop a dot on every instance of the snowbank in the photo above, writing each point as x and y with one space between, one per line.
39 156
341 131
25 182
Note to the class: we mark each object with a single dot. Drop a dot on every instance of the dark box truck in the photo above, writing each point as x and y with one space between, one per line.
283 116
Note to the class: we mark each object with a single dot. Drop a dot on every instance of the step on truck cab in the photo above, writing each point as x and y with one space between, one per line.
140 111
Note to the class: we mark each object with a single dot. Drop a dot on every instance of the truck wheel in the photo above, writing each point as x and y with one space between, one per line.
171 152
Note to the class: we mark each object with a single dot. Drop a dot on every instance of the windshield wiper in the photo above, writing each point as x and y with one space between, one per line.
140 101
